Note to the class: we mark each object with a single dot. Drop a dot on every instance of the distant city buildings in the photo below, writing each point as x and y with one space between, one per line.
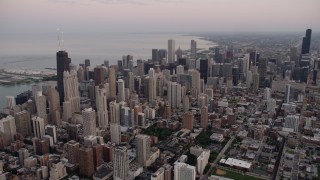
253 99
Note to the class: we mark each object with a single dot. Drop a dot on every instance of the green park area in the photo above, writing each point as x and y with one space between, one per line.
161 133
233 175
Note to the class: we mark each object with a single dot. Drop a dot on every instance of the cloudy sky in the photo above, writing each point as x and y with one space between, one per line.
159 15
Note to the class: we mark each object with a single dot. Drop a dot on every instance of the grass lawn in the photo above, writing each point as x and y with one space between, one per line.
161 133
290 151
235 175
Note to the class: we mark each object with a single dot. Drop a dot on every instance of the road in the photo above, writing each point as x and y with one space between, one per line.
296 160
221 154
275 175
260 149
225 148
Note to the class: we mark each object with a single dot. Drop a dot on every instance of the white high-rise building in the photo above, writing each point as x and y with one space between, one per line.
151 72
51 130
292 122
41 104
158 175
120 163
89 122
184 171
102 108
202 100
115 133
11 102
174 94
106 86
255 81
121 95
71 90
112 81
246 59
180 69
57 171
195 81
171 51
67 112
131 81
271 105
38 127
35 89
266 95
8 127
202 161
152 89
143 148
186 103
193 50
114 112
249 79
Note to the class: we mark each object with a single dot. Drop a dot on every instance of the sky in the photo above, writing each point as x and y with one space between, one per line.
159 15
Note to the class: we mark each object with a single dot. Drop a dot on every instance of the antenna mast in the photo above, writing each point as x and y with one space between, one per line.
60 39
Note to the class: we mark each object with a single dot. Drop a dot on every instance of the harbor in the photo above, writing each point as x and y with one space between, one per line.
19 76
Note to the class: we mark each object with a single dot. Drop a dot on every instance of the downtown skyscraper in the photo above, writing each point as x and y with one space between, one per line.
193 50
143 148
306 42
171 51
112 82
63 64
120 163
102 108
71 91
89 122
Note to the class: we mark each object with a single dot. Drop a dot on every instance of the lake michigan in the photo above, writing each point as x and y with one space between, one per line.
36 51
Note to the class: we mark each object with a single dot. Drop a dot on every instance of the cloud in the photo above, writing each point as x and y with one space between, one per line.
134 2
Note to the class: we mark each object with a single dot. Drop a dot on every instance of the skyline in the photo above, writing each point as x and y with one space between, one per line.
134 106
159 16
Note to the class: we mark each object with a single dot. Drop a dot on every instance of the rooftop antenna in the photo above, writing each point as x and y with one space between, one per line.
62 40
58 38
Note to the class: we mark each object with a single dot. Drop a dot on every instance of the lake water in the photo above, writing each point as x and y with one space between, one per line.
37 51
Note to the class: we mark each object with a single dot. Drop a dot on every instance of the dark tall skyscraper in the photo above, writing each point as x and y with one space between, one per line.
158 54
235 75
98 75
162 53
262 69
63 64
87 62
155 55
204 64
217 56
306 42
254 58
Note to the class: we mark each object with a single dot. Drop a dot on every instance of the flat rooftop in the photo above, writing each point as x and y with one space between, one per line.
236 162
